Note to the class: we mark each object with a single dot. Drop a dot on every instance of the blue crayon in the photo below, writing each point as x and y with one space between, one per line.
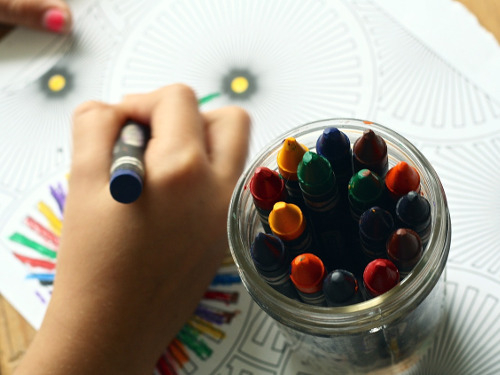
341 288
127 167
226 279
375 227
335 146
271 261
413 211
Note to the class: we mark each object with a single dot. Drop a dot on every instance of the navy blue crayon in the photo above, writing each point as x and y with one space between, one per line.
335 146
375 227
341 288
127 167
271 261
413 211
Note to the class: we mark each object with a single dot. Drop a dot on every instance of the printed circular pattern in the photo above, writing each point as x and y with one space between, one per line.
37 140
471 190
468 342
419 93
296 61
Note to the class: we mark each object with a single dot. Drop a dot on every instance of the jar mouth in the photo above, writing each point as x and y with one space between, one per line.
376 312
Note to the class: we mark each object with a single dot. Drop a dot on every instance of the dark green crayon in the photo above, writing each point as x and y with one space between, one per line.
365 190
321 198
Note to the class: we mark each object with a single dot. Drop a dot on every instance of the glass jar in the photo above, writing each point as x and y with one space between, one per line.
386 334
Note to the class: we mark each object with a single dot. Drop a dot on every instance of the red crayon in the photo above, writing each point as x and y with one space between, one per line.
401 179
307 275
370 152
380 276
267 188
404 249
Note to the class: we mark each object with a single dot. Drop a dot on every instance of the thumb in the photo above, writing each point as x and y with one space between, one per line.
49 15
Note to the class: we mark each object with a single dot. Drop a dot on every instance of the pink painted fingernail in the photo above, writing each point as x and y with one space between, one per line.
55 20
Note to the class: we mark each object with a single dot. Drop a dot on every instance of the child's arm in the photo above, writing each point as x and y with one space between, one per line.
129 276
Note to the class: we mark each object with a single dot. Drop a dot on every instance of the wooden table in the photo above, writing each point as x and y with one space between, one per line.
16 333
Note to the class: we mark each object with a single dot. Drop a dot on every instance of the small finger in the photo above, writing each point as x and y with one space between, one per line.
48 15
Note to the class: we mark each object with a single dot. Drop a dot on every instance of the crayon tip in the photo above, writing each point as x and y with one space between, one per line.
287 221
413 208
267 187
370 151
125 185
314 171
380 276
401 179
369 147
289 157
307 273
268 252
365 186
340 288
404 248
333 144
376 223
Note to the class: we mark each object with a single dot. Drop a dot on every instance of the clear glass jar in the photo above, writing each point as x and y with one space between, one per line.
386 334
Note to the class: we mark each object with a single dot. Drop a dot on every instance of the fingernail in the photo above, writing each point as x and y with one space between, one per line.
56 20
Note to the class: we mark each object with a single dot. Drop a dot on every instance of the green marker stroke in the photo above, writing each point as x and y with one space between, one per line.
208 98
23 240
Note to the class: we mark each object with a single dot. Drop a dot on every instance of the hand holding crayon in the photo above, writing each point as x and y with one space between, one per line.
131 275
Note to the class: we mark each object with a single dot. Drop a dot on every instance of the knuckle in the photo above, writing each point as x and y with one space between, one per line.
87 107
238 115
184 168
180 90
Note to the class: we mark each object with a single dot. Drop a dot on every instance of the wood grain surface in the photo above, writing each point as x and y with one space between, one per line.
16 333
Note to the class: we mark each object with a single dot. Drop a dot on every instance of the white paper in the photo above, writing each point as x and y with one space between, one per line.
426 69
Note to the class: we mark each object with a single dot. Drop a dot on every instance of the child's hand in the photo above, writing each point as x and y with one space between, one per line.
130 275
48 15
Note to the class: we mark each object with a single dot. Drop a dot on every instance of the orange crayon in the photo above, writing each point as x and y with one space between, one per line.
307 274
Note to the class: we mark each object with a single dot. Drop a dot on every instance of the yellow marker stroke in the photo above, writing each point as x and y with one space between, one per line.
54 221
206 328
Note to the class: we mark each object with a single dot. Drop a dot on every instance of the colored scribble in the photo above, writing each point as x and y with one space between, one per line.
36 244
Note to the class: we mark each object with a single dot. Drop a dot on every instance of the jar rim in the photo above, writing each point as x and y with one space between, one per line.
381 310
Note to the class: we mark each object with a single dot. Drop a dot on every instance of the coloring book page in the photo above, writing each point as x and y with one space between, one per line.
425 69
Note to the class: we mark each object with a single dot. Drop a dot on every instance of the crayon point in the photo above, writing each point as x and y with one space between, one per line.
267 188
307 273
287 221
370 151
333 144
364 190
414 211
315 174
401 179
341 288
404 249
380 276
289 157
268 252
125 185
